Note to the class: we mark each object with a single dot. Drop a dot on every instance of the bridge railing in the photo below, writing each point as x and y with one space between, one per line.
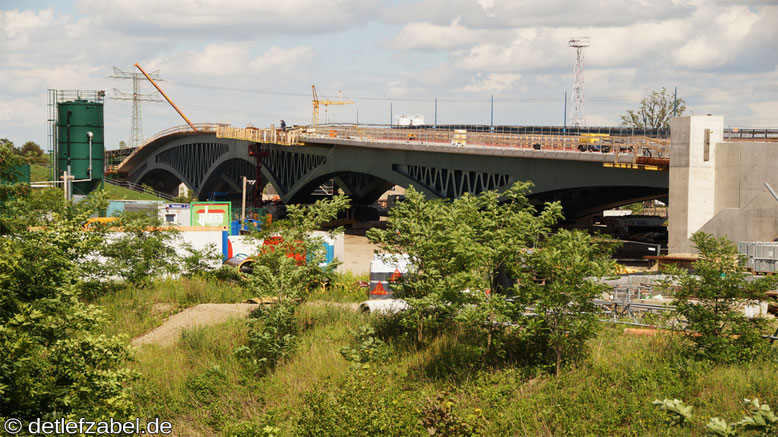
201 127
640 147
276 136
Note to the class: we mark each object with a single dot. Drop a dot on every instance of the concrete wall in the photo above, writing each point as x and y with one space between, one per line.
745 209
725 195
692 177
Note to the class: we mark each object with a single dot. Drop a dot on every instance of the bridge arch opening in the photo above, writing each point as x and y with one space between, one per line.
361 188
228 177
162 180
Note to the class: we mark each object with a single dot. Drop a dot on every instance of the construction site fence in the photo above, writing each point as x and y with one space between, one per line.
751 134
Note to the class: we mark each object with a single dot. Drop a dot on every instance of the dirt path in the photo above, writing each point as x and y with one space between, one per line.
358 252
200 315
207 314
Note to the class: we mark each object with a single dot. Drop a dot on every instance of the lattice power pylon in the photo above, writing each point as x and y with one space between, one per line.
136 129
577 116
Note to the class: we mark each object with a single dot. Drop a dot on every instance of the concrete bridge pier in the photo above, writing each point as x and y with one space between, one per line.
718 186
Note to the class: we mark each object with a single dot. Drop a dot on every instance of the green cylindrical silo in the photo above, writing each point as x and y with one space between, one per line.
80 145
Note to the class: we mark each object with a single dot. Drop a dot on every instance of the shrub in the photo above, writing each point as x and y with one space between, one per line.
759 418
365 348
358 405
712 300
272 337
142 251
54 363
440 418
204 263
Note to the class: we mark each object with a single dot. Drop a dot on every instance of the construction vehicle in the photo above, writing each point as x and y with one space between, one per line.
325 102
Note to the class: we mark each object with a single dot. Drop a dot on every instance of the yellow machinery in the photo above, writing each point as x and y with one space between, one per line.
317 102
588 138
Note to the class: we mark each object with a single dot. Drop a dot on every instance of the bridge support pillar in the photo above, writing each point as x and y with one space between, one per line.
692 177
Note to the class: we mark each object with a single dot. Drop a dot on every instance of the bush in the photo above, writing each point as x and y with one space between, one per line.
358 405
142 251
712 300
478 262
272 337
204 263
759 418
54 363
440 418
365 348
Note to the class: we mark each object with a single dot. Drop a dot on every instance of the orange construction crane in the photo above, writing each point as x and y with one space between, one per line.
317 102
167 98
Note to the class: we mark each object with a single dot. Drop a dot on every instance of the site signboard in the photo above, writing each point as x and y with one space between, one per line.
211 213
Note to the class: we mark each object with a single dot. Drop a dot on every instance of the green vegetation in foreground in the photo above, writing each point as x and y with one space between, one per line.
40 173
204 389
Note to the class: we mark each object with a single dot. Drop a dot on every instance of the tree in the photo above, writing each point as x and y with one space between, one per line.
288 269
9 173
33 153
54 364
464 244
142 250
712 301
32 148
480 262
565 270
655 111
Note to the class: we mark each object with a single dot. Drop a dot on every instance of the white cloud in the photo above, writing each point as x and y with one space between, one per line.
427 36
493 82
280 59
231 59
512 14
721 55
228 19
396 88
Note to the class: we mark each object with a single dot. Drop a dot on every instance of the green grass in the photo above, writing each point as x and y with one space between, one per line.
120 193
203 389
200 385
133 311
40 173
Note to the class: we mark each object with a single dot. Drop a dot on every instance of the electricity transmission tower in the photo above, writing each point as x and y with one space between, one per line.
136 129
577 116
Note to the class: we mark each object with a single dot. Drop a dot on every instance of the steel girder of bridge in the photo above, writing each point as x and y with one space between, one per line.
206 163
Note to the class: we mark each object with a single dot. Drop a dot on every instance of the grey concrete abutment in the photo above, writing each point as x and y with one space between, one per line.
719 187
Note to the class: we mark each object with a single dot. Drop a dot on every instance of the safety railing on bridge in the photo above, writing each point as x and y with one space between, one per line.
276 136
201 127
644 149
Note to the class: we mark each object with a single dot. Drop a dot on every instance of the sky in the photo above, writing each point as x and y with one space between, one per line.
252 62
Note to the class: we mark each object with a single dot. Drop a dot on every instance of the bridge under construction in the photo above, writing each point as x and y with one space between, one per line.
587 170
